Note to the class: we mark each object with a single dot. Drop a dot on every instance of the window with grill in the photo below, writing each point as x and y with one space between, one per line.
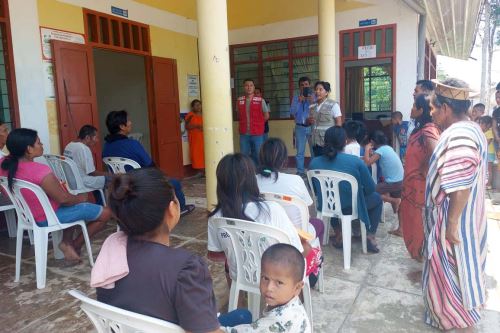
275 67
8 103
377 82
111 32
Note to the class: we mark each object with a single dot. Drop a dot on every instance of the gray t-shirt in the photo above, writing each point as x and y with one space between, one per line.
82 156
166 283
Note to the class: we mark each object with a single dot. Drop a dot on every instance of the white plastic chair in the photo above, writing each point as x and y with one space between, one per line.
329 183
8 208
26 221
292 203
67 172
110 319
249 241
119 164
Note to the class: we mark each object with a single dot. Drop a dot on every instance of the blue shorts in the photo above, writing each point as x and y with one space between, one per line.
82 211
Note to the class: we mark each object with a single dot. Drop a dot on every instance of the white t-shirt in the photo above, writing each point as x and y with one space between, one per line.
272 214
289 185
82 156
353 148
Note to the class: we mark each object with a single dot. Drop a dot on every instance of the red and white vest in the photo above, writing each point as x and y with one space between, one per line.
256 115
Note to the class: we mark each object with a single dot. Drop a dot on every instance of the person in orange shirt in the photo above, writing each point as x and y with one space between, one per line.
194 125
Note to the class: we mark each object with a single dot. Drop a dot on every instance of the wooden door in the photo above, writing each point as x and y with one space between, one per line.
166 145
76 97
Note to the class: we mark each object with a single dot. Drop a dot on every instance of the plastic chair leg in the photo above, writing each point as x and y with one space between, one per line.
30 236
19 250
363 237
41 247
254 304
10 217
87 243
103 197
346 239
56 240
321 280
326 233
233 297
306 293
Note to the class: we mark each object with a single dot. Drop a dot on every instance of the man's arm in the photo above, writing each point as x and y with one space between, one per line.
265 110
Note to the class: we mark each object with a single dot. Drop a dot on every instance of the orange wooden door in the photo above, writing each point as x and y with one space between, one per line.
166 144
75 92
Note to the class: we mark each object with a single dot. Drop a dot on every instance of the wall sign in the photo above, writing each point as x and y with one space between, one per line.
193 85
367 22
47 35
119 11
367 52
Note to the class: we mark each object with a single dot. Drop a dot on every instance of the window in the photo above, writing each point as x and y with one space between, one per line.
276 68
8 97
377 82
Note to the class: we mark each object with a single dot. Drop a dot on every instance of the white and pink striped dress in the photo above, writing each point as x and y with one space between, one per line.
453 280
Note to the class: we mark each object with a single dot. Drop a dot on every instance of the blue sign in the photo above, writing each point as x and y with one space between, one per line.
367 22
119 11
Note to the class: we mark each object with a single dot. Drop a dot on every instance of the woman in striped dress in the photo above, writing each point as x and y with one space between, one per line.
455 220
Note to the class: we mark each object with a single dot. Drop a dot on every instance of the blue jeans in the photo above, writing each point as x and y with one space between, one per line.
178 192
302 135
250 145
235 317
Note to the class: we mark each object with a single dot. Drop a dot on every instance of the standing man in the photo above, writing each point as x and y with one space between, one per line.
421 87
299 110
253 113
453 279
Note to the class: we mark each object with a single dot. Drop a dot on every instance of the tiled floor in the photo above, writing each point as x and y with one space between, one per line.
379 293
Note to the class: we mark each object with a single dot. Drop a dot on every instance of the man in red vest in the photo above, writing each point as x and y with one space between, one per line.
253 113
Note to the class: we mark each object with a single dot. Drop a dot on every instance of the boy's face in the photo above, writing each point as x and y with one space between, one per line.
484 126
476 113
497 97
277 285
395 121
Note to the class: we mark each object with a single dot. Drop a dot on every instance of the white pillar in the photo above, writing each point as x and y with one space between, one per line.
215 79
28 67
327 42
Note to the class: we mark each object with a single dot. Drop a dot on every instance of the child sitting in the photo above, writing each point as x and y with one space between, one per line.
281 281
355 132
400 129
392 171
486 123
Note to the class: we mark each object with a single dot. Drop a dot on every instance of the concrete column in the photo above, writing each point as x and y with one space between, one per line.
213 49
327 44
28 67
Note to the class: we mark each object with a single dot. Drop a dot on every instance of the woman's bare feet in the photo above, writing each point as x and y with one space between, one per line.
69 251
395 202
396 232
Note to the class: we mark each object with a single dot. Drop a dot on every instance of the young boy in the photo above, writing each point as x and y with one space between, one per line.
281 281
400 129
486 123
355 132
477 112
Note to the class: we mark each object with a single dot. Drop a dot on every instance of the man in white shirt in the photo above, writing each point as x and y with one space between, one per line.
79 151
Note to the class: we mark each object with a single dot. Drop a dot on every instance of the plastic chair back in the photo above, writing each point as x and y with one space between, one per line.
330 194
295 208
67 172
24 213
249 241
110 319
120 164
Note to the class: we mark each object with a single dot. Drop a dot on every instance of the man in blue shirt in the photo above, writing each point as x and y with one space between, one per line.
118 144
299 110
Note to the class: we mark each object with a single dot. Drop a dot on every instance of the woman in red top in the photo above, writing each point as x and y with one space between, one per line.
194 125
419 150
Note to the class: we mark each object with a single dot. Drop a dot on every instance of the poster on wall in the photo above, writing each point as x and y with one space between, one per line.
47 34
193 85
367 52
48 79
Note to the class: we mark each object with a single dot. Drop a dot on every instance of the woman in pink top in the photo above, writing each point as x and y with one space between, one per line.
24 145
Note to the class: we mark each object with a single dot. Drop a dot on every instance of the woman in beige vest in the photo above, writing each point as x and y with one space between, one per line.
323 114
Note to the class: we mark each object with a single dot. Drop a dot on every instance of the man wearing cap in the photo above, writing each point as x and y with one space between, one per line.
453 281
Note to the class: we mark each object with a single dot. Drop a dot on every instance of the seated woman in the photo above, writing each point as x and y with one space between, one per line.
369 202
24 145
137 270
238 197
273 156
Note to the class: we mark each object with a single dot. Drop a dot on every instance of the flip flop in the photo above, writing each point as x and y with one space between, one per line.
372 248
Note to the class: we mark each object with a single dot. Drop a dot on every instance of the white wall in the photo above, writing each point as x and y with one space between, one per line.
121 85
386 12
28 68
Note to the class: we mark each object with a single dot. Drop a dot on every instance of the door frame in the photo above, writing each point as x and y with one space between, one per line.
351 57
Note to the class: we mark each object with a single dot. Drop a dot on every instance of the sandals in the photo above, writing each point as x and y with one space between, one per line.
372 247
